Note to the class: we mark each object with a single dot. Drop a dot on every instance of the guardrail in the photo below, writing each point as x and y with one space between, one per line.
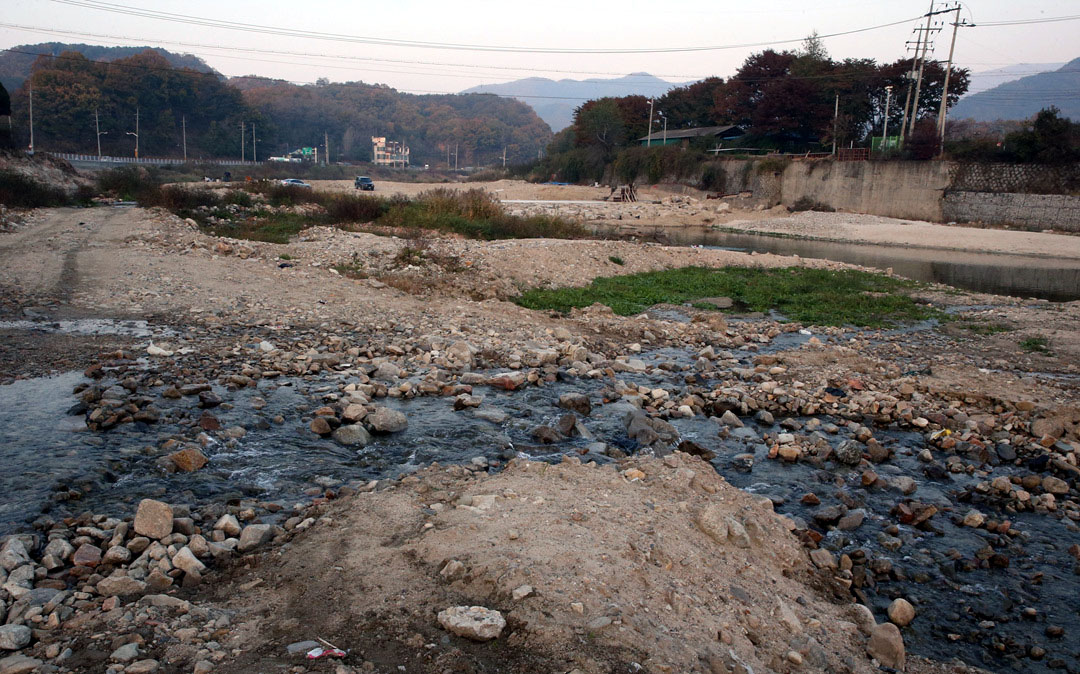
159 161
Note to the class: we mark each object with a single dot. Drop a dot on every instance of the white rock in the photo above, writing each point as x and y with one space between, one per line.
472 622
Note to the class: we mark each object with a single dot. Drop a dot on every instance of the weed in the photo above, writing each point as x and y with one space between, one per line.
1036 344
285 256
808 204
810 296
616 259
985 328
21 191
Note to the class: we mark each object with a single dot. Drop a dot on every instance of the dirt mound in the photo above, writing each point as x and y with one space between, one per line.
43 168
595 568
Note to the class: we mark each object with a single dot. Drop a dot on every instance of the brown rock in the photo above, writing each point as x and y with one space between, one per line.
87 555
901 612
153 519
320 426
188 460
886 645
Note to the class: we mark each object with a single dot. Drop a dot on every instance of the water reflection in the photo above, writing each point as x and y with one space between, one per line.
1054 279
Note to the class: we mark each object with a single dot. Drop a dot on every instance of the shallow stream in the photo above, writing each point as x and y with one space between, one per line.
53 464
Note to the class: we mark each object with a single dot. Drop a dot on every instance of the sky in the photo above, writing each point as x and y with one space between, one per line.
550 24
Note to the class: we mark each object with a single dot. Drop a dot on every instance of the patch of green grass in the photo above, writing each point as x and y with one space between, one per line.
271 228
1036 344
980 328
616 259
810 296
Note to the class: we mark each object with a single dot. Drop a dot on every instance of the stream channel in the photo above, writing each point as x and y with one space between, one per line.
1050 278
54 465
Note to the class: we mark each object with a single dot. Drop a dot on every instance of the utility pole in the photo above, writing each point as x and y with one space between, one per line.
885 128
948 73
254 150
31 80
835 117
97 130
326 146
504 156
136 134
448 155
183 125
455 155
911 74
922 67
648 136
243 136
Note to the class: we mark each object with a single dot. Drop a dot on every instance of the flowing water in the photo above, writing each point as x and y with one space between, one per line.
52 464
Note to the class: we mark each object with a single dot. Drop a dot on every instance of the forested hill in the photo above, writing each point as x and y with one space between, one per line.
477 126
177 103
15 62
1025 97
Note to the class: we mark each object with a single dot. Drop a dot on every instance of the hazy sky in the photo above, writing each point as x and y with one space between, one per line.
546 24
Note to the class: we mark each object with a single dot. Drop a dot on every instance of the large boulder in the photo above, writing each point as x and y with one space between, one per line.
386 420
352 435
254 535
472 622
14 637
886 645
153 519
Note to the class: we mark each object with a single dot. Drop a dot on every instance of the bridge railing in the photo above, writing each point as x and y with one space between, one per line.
158 161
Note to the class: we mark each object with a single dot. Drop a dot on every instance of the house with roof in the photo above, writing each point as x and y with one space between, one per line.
683 137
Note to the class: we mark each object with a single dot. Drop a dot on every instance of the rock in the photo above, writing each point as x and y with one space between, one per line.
472 622
59 548
729 419
153 519
188 460
886 645
208 422
126 653
737 533
142 667
712 520
1051 427
229 525
353 435
320 426
974 518
1055 485
386 420
521 592
254 535
120 585
852 520
717 302
87 555
576 402
823 559
901 612
117 555
186 561
386 372
848 453
19 664
453 570
904 484
508 380
864 618
354 413
14 637
13 554
461 353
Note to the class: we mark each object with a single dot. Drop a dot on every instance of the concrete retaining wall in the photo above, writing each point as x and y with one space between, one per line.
1028 196
898 189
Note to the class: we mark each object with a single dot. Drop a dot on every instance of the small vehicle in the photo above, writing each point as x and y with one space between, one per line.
295 182
364 183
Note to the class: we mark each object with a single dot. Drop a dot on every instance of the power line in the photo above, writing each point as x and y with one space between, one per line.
1026 22
386 42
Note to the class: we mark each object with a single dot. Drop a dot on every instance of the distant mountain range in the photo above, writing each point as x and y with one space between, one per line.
1024 97
555 100
988 79
15 62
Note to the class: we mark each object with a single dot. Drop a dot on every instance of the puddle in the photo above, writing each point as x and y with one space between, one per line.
84 326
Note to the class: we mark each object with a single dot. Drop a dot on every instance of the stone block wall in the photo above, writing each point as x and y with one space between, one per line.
1028 211
1015 178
